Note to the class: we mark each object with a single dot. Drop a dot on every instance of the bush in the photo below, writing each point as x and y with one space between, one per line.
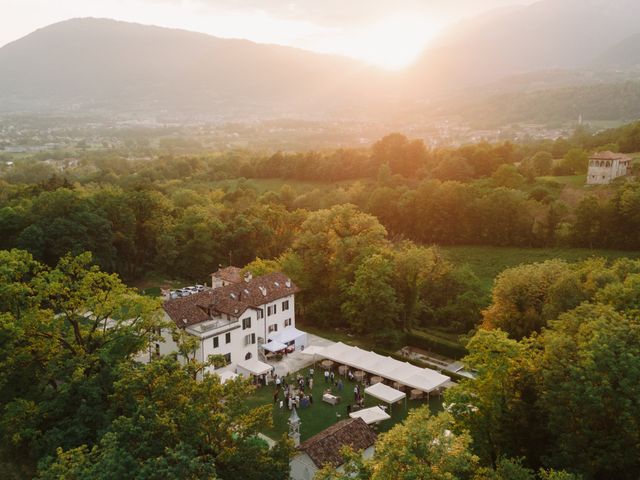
430 342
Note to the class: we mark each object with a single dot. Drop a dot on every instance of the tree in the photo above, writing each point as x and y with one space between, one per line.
454 167
520 297
404 156
421 447
499 407
575 162
169 425
325 255
590 372
371 306
412 272
64 337
507 176
542 162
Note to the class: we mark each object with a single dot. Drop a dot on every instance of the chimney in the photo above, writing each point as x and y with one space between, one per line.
288 283
263 290
248 277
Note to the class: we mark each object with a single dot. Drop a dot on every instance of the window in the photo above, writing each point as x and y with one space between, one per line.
246 323
215 342
269 310
248 356
287 322
227 358
227 337
273 328
249 339
260 314
157 349
285 305
275 309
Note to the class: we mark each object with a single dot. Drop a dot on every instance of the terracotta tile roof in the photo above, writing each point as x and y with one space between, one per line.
229 274
609 156
232 299
325 447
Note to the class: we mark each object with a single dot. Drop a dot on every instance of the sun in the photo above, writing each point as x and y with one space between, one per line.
393 43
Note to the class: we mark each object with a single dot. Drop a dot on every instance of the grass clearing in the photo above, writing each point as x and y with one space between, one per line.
321 415
263 185
488 262
571 180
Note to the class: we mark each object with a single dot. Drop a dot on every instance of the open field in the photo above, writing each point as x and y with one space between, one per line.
320 415
488 262
262 185
572 180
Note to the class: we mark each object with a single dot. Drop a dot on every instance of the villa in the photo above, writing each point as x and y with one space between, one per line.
607 166
239 318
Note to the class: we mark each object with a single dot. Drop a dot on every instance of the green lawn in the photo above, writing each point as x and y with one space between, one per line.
321 415
488 262
572 180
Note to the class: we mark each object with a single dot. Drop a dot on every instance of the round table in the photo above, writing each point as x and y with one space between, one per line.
398 386
375 380
342 369
327 364
359 375
415 394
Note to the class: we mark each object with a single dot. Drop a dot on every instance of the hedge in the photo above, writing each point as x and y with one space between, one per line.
433 343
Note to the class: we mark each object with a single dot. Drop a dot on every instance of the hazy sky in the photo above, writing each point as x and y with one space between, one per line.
389 33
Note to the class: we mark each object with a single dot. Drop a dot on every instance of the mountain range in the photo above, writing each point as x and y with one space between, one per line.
114 66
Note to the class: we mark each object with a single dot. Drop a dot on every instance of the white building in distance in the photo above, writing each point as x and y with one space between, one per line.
236 317
605 166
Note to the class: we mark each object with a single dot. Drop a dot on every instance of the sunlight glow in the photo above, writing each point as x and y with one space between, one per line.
392 44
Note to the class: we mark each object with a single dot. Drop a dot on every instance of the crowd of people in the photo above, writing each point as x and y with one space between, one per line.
292 393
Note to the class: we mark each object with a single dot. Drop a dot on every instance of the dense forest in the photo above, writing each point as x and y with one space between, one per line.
555 347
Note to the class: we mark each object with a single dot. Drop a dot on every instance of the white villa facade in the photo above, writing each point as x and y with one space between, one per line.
606 166
235 318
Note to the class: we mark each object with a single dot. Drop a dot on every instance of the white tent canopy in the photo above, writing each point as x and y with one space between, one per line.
371 415
287 335
313 350
226 375
290 334
385 393
274 346
254 367
405 373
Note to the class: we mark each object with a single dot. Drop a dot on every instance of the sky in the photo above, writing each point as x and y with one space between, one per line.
387 33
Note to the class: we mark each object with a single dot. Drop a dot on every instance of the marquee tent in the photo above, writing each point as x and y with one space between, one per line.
226 375
371 415
274 346
290 334
253 366
404 373
385 393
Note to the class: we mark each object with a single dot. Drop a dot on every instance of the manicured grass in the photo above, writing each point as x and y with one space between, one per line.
321 415
152 292
488 262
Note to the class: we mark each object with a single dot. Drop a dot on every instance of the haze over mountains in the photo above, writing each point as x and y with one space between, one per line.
122 67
